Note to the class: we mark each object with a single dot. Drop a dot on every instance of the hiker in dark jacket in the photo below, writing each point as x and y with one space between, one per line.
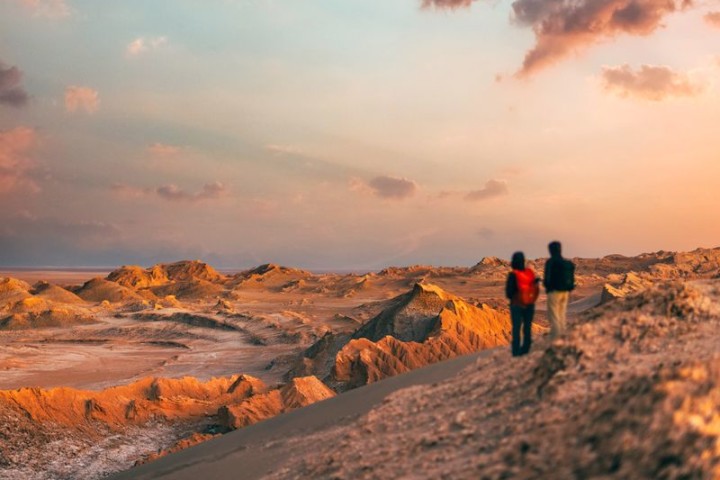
521 289
559 280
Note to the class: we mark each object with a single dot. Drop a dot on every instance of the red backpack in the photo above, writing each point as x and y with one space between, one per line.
528 288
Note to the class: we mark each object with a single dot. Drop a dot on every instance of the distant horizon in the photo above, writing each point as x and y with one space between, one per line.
339 270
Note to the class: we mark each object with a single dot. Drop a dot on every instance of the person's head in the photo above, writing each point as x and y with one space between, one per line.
555 249
518 261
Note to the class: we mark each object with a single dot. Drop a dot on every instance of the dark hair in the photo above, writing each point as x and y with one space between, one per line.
518 261
555 249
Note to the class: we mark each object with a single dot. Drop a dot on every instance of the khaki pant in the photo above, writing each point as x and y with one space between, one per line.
557 303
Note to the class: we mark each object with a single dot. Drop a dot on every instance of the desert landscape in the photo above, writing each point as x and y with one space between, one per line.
117 371
273 239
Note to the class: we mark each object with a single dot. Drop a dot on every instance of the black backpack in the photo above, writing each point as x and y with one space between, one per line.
566 280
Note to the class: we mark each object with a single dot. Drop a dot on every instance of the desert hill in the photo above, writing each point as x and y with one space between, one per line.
55 293
41 306
99 290
12 290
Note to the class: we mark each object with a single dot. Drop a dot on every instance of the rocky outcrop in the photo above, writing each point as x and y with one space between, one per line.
135 277
134 404
13 290
299 392
630 283
423 326
38 312
457 329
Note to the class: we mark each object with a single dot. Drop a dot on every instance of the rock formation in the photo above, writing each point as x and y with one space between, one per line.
420 327
299 392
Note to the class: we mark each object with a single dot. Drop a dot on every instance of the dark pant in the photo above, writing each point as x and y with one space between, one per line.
521 321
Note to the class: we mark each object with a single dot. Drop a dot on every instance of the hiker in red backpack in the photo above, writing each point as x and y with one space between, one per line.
522 290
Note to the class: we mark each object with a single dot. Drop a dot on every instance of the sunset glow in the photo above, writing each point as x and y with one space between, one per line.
355 134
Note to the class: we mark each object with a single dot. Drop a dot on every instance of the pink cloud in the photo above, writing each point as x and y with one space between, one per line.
11 91
47 8
447 4
649 82
15 165
713 18
81 98
144 44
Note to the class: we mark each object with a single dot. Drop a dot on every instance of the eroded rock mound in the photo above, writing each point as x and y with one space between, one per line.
136 277
420 327
299 392
38 312
630 283
99 290
12 290
55 293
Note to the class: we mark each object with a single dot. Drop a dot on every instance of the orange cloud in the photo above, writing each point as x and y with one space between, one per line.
649 82
81 98
11 92
713 18
15 165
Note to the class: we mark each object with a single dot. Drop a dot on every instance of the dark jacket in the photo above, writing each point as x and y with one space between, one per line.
552 277
511 288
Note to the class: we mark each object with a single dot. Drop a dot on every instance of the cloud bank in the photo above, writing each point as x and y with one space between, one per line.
11 91
649 82
81 98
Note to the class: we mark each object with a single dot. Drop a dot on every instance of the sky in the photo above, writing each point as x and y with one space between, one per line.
355 134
